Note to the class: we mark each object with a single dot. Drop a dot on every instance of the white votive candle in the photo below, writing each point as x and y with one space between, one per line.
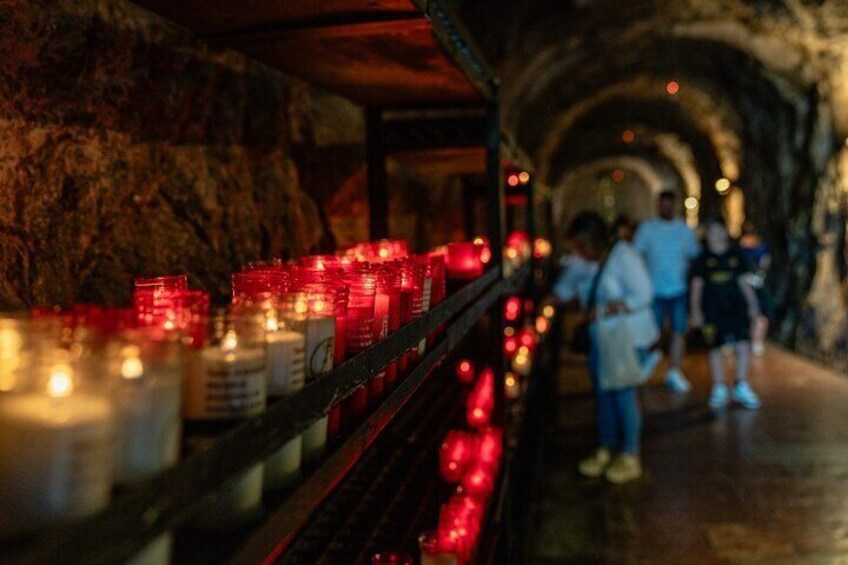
320 334
286 374
57 456
228 383
147 404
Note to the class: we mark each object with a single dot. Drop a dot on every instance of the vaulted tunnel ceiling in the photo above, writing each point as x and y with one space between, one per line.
762 99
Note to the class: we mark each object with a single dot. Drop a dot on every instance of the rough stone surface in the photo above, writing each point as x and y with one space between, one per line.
128 147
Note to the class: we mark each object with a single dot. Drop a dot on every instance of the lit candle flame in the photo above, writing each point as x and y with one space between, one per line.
271 324
300 307
230 341
132 368
510 381
60 383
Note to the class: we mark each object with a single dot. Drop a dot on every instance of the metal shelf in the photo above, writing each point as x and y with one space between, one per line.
168 501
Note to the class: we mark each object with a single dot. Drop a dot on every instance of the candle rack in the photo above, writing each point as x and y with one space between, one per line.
169 500
454 128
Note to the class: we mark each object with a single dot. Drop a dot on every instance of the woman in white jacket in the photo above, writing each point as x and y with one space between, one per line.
623 289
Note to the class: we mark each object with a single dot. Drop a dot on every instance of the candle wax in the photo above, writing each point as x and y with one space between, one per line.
286 362
157 552
237 505
58 459
282 469
148 417
286 375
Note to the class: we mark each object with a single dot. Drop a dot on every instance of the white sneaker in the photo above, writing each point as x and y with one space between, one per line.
758 349
651 363
676 382
625 468
745 395
718 397
594 465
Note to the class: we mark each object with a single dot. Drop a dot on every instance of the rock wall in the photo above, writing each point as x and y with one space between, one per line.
128 147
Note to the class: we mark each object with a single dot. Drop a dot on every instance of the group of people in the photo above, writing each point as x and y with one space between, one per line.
629 290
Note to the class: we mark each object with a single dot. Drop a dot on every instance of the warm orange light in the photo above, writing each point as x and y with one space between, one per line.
542 324
512 180
61 382
510 381
617 175
629 136
524 177
485 255
672 87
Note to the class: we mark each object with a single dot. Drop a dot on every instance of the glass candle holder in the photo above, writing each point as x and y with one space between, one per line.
145 368
314 313
285 347
432 552
229 384
464 261
481 400
57 437
388 316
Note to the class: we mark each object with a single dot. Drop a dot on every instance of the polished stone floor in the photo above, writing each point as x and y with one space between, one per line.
769 486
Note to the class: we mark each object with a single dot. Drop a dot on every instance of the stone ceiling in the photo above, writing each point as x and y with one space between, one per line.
762 99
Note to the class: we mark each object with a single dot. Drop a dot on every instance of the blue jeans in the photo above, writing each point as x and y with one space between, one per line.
617 413
676 308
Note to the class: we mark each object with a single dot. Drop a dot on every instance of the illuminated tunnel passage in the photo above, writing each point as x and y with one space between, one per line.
739 107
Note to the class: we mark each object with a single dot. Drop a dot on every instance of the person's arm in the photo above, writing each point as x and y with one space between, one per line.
635 281
750 297
696 293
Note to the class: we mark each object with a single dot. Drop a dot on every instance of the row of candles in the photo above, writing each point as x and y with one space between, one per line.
92 397
472 458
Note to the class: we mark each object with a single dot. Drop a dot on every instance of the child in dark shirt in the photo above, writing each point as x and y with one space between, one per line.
722 305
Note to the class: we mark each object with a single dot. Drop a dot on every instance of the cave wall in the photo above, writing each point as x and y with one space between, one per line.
129 147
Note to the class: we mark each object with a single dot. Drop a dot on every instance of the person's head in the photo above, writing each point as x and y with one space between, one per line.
748 228
622 228
589 235
666 204
716 235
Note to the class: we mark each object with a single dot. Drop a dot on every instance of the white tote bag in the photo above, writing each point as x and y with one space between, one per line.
618 363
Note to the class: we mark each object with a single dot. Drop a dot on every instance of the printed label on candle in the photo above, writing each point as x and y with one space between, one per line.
227 385
286 354
320 333
425 307
360 334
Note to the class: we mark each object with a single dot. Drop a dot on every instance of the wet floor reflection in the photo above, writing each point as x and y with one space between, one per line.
736 487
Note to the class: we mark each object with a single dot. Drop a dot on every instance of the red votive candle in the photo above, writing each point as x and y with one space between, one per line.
465 371
512 308
362 286
455 454
389 288
481 400
464 261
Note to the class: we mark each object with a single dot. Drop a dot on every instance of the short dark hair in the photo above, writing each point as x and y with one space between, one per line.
668 194
590 230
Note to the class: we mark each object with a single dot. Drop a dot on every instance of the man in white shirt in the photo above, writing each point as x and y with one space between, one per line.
668 246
